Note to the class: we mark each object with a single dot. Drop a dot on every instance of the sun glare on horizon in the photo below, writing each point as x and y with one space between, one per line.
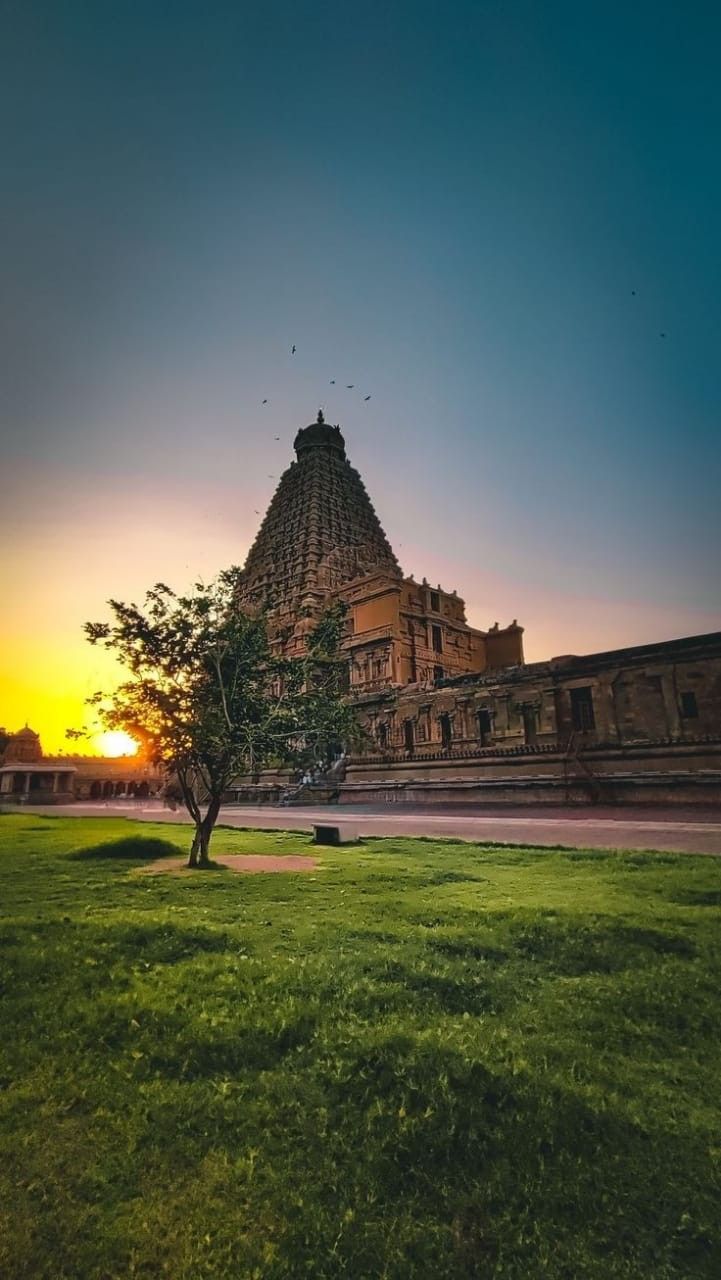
116 743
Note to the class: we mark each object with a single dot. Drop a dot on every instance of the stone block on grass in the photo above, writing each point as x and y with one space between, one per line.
325 833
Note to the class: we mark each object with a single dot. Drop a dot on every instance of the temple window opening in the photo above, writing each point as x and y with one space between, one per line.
689 705
582 716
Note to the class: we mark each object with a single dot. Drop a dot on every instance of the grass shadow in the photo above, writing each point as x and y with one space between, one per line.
129 848
697 897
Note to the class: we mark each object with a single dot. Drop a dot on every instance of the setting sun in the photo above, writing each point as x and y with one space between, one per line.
116 743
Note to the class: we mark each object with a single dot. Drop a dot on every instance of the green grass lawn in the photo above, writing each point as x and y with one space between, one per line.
424 1059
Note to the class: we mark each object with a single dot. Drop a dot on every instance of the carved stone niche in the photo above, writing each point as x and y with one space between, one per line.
345 563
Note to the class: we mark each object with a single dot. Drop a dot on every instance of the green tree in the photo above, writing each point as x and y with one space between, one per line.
207 698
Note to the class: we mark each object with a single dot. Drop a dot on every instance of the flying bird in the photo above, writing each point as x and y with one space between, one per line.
332 382
265 402
663 335
292 350
350 386
366 397
633 293
276 437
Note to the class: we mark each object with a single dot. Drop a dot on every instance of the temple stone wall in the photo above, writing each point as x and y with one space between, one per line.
669 691
652 712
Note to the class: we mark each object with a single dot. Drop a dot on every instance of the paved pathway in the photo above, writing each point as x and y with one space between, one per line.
679 830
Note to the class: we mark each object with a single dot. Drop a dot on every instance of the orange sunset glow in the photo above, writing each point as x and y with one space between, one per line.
70 560
69 563
114 742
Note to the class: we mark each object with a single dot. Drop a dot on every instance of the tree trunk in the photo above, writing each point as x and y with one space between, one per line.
193 808
204 833
194 848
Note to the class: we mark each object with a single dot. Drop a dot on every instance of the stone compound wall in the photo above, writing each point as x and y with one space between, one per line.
629 725
660 773
105 778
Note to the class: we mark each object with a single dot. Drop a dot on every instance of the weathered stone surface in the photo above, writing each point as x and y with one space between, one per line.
665 692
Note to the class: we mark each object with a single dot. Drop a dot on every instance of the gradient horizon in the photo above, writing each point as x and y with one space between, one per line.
483 215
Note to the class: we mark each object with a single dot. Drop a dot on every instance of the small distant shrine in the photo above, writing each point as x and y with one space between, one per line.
25 776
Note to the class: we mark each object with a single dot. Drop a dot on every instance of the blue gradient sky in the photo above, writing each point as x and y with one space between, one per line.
447 204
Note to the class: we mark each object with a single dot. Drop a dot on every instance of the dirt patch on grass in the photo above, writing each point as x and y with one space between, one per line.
249 863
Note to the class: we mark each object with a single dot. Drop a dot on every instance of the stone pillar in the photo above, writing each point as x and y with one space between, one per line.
547 714
56 778
26 785
503 716
424 721
670 706
611 708
461 719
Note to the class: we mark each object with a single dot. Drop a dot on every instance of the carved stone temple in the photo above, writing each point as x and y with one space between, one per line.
321 539
454 713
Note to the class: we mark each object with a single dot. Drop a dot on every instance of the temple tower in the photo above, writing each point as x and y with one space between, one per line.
319 532
321 540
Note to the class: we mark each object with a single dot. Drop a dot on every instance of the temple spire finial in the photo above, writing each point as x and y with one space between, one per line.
320 417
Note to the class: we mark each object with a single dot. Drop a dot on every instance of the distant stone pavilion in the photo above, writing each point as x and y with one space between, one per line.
27 776
453 713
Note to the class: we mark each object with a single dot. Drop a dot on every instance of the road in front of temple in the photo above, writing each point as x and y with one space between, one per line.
678 830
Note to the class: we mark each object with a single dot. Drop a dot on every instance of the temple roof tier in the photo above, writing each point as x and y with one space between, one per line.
320 530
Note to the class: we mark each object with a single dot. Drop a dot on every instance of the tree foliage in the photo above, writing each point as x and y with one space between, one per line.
208 698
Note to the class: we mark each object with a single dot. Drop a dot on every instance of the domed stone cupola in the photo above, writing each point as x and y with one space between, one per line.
24 746
319 435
